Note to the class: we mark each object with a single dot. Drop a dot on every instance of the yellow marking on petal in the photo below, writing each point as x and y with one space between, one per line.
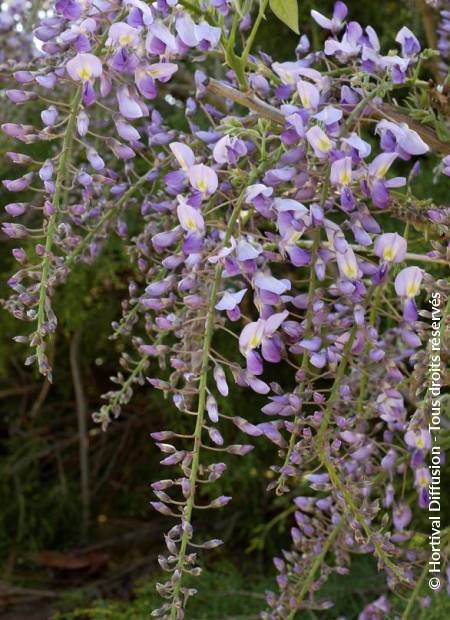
190 223
84 73
305 101
389 253
324 144
202 186
345 177
351 271
381 172
254 341
412 289
420 443
294 237
126 39
287 77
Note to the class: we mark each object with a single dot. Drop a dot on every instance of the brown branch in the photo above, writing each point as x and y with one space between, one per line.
248 100
264 110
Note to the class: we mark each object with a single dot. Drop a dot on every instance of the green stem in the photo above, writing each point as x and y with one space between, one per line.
248 45
211 313
58 204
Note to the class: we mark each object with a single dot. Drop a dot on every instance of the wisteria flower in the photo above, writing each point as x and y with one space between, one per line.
408 41
407 286
84 67
309 95
123 35
229 150
341 171
203 178
401 139
337 21
184 155
390 247
191 219
319 141
230 302
347 264
261 333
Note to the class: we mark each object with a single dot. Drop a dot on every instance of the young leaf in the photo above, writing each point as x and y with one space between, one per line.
287 12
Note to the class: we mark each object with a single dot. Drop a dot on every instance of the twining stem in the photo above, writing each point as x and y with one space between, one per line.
315 566
202 393
58 198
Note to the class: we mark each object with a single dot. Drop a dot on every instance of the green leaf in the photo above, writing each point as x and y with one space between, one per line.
287 12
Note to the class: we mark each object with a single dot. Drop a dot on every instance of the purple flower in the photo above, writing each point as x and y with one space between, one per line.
334 24
347 264
309 95
221 380
16 208
419 439
407 282
230 302
260 332
130 105
191 219
401 516
18 185
184 155
84 67
407 286
122 35
341 171
446 166
403 139
408 41
349 46
228 150
319 141
203 178
390 247
358 145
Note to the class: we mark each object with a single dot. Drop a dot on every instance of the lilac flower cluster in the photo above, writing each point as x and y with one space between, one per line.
266 227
